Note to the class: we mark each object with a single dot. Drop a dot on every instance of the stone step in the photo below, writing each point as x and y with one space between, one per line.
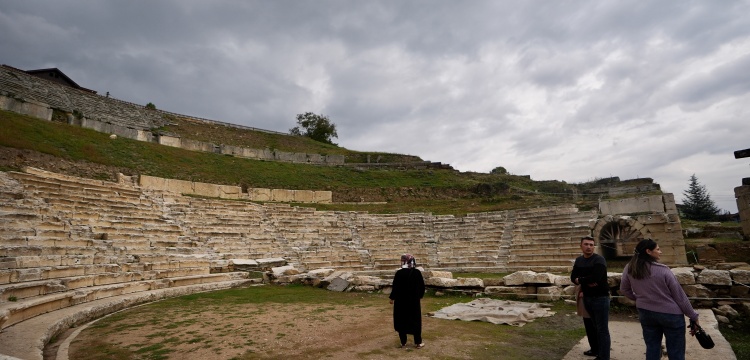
25 308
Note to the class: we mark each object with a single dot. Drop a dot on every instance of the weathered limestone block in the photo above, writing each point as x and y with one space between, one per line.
281 270
243 264
549 293
494 282
204 189
469 283
714 277
518 277
270 262
320 273
539 278
323 197
230 192
697 291
684 275
740 276
613 279
569 290
303 196
282 195
435 273
259 194
505 290
726 310
364 288
359 280
441 282
180 186
562 281
346 275
338 284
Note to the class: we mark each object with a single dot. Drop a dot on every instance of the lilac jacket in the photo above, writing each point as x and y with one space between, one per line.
659 292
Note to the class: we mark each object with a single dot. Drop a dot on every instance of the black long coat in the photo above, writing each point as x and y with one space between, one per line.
408 289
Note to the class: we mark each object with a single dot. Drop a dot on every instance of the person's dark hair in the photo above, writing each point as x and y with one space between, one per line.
639 266
587 238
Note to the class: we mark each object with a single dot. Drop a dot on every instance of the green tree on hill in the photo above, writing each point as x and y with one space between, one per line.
697 204
316 127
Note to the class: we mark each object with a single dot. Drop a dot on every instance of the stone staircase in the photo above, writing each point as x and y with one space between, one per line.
65 242
548 239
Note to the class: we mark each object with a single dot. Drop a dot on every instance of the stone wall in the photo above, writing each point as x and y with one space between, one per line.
29 95
233 192
742 194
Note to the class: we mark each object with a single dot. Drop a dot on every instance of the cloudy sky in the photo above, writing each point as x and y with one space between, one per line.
566 90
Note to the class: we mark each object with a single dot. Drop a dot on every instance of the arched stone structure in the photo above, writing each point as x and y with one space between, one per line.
618 235
624 222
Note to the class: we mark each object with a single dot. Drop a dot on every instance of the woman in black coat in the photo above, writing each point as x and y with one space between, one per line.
408 290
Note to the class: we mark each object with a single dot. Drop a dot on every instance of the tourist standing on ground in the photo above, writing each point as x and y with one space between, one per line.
408 290
661 302
590 271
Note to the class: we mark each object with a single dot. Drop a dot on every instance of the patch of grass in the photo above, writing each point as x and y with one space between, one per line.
436 191
738 336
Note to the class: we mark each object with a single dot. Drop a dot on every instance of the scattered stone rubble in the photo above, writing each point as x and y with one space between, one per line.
706 287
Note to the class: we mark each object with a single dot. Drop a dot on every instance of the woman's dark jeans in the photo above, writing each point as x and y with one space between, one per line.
598 309
655 325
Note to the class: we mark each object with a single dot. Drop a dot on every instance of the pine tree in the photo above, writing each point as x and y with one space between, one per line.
697 204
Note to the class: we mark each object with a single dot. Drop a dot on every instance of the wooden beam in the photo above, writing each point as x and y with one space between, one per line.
742 153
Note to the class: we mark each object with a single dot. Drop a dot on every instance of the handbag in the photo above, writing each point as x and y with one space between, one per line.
703 338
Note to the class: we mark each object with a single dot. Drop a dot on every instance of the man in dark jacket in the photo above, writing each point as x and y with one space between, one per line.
408 290
590 271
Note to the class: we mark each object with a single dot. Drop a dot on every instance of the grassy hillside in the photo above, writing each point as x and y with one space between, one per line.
437 191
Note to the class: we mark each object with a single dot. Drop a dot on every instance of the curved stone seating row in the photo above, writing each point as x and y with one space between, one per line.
26 340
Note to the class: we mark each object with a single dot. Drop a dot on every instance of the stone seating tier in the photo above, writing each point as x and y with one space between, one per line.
81 292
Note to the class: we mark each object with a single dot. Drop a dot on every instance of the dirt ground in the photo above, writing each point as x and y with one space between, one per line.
309 331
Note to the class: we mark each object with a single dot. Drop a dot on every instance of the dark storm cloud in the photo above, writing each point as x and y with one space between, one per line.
568 90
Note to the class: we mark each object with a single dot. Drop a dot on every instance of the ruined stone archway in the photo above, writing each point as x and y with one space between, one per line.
618 235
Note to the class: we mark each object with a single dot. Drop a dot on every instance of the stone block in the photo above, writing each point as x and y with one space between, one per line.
180 186
169 141
204 189
697 291
320 273
435 273
569 290
494 282
653 203
152 182
469 283
740 276
259 194
268 263
304 196
539 278
518 277
613 279
323 197
562 281
440 282
505 290
684 275
282 195
243 264
549 293
338 284
714 277
281 270
230 192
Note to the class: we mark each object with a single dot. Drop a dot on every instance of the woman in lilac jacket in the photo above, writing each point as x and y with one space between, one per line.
661 302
